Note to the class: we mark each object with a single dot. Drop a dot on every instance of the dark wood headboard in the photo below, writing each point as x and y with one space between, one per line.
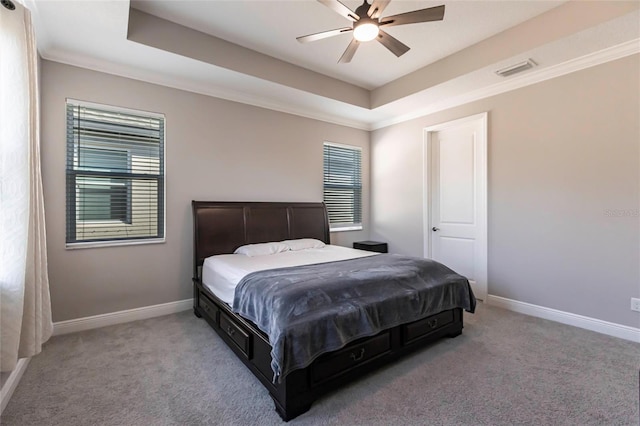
220 227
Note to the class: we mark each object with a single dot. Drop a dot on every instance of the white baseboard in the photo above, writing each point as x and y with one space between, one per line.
120 317
12 382
593 324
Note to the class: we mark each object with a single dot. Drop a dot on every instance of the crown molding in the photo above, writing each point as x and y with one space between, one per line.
201 89
597 58
516 82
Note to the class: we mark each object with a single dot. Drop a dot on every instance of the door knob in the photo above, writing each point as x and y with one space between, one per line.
434 229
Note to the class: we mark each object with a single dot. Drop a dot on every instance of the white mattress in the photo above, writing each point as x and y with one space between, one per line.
222 273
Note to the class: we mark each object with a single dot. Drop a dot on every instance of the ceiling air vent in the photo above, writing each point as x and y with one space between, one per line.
514 69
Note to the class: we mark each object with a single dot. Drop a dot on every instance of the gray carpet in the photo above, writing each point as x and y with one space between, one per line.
504 369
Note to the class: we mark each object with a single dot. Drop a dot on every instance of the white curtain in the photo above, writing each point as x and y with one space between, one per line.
25 306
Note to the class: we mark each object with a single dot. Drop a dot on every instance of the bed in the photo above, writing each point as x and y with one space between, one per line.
222 227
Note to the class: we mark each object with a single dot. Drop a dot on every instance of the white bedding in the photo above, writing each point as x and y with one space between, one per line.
222 273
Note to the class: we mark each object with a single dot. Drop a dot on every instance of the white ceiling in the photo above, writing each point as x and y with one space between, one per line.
449 62
271 27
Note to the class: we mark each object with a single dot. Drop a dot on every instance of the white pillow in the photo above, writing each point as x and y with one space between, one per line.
261 249
303 243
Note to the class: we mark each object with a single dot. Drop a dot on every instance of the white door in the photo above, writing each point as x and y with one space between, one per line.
456 207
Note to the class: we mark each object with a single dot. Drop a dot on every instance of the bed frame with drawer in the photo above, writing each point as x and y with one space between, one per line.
220 228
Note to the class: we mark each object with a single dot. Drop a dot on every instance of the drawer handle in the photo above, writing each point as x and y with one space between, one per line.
230 331
433 323
357 357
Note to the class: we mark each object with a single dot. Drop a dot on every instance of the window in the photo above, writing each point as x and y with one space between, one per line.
343 186
115 175
104 200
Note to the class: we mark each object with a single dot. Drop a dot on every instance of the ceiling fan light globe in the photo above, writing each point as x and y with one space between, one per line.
365 32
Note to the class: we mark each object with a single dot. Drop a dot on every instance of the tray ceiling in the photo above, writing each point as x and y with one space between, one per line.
246 50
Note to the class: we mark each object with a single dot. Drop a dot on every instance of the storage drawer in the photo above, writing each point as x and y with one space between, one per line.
334 364
239 336
426 326
209 308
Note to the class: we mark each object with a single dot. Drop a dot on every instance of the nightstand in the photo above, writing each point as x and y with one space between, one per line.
371 246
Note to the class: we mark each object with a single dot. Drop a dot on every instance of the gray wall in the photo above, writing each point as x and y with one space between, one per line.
561 154
215 150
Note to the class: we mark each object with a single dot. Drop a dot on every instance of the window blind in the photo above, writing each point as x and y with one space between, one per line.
115 175
343 185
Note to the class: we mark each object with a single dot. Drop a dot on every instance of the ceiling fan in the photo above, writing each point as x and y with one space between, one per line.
367 25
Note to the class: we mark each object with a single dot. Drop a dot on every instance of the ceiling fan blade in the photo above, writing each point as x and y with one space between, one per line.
324 34
376 8
348 54
422 15
396 47
342 10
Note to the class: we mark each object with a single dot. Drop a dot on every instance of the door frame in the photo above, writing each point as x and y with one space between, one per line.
481 192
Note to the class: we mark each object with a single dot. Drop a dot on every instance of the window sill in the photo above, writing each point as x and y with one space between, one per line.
96 244
346 228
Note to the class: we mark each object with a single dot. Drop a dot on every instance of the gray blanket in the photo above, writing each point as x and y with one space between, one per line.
310 310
